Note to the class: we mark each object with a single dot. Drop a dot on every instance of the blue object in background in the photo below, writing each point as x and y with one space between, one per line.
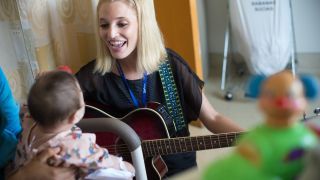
311 86
254 85
310 83
9 123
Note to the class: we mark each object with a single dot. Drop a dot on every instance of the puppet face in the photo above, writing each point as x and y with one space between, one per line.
282 97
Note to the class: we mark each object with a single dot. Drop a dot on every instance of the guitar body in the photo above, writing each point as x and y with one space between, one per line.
156 168
149 125
157 132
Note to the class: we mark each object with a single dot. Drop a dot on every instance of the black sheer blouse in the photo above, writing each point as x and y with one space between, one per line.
110 90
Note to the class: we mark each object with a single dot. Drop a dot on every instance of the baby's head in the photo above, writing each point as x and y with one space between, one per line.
55 99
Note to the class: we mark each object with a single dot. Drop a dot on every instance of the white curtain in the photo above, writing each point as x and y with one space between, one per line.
39 35
14 59
262 33
62 31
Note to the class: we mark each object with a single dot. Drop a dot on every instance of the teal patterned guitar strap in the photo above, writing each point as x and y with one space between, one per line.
171 95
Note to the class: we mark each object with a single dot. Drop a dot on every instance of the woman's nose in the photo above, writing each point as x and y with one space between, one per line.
112 32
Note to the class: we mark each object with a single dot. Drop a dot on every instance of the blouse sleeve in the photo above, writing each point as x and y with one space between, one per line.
9 108
189 86
87 80
9 121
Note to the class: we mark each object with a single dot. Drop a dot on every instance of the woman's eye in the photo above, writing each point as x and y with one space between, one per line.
122 24
103 26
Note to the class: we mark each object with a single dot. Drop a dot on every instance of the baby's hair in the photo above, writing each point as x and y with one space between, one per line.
54 97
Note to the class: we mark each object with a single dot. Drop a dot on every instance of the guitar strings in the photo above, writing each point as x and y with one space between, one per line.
101 111
222 141
207 142
186 140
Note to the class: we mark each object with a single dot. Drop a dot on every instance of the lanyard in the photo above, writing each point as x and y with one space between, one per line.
144 88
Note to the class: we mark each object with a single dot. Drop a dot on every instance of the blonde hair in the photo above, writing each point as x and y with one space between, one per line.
150 47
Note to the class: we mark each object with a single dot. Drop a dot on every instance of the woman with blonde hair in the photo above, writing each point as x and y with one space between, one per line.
133 68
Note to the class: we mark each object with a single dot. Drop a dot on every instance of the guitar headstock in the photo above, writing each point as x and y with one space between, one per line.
311 121
316 112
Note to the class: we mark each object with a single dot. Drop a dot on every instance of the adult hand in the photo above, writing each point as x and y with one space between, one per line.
38 168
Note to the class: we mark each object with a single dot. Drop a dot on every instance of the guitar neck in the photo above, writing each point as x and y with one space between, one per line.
188 144
167 146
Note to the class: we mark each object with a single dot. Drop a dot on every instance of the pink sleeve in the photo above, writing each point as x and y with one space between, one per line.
82 151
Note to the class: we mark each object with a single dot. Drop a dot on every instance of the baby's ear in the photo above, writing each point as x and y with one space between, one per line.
72 118
76 116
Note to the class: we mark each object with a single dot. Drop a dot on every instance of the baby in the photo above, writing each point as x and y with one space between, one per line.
56 104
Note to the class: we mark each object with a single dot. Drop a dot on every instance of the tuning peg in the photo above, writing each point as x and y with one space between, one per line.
316 111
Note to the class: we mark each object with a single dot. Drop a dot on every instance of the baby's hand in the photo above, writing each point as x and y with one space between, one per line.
129 167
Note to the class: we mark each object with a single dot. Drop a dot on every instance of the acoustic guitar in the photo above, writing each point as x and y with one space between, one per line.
157 131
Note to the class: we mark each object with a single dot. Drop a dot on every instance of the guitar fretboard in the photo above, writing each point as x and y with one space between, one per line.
188 144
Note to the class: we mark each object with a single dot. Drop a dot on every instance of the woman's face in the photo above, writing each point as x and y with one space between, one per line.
118 28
